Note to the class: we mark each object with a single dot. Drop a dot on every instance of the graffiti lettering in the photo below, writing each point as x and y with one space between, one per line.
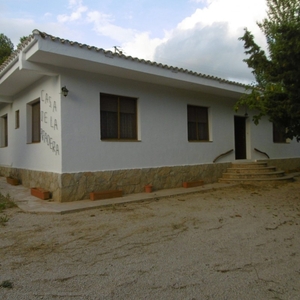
54 124
48 100
54 106
49 122
44 117
46 138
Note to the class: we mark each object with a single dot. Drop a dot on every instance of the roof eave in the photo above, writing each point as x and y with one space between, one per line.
42 51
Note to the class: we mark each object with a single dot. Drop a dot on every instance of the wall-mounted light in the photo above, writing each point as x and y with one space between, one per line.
64 91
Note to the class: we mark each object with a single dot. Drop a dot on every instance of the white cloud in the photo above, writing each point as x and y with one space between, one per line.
207 41
142 46
103 25
47 15
77 11
132 42
236 12
201 1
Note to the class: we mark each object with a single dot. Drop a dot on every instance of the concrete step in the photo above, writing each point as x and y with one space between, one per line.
243 172
249 165
283 179
254 175
251 170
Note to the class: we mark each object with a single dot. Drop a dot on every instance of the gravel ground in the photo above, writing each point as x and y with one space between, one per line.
235 243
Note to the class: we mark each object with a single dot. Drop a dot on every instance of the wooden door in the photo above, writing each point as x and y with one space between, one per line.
240 137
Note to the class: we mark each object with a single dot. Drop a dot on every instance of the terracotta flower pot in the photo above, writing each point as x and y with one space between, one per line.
12 181
148 188
40 193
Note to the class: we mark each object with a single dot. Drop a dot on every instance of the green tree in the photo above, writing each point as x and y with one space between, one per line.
6 48
276 92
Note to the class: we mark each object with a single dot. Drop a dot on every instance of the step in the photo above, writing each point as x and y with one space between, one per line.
254 175
283 179
249 165
251 170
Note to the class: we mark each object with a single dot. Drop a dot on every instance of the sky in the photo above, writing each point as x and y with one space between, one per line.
198 35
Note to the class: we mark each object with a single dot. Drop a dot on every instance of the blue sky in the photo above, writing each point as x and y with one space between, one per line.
200 35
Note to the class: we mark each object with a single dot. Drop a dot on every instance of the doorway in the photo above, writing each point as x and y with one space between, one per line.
240 137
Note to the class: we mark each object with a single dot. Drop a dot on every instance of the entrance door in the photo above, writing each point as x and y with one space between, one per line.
240 137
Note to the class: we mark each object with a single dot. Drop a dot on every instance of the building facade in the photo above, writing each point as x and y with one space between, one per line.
125 122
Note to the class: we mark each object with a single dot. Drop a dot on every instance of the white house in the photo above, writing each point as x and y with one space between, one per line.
125 122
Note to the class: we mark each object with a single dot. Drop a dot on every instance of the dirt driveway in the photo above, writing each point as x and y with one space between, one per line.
237 243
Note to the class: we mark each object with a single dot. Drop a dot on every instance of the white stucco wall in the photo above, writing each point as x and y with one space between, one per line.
162 126
34 156
262 139
71 128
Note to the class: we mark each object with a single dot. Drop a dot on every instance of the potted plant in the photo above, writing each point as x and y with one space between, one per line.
148 188
12 181
40 193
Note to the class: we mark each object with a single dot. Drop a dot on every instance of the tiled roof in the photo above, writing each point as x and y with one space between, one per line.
109 53
14 55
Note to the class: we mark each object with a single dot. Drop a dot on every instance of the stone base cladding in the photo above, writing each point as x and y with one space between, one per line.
286 164
78 186
30 178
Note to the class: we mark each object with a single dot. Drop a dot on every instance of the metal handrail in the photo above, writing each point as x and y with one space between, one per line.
225 153
262 152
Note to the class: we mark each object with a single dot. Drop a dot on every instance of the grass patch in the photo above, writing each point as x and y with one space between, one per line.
3 220
7 284
6 202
